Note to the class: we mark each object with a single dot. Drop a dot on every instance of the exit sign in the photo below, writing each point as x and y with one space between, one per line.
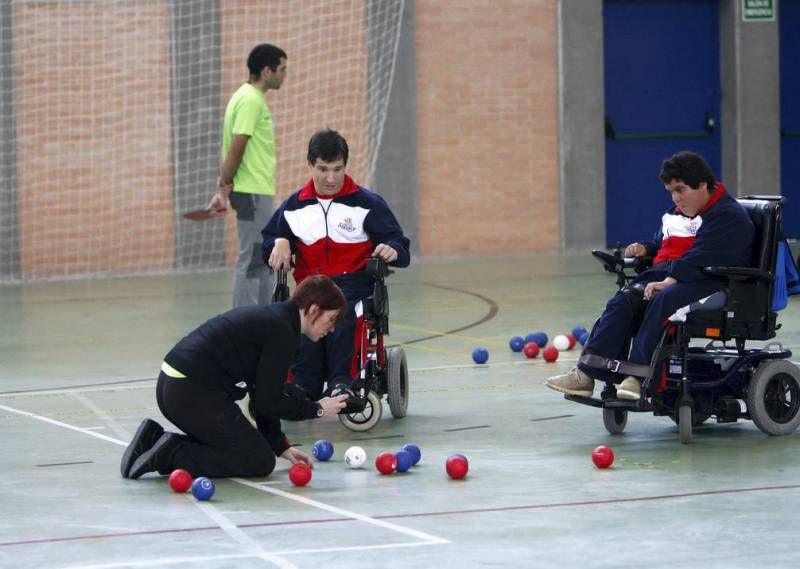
758 10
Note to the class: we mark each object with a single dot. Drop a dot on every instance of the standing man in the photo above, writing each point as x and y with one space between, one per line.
247 170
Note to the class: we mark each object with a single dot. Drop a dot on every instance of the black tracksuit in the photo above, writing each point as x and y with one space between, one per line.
247 349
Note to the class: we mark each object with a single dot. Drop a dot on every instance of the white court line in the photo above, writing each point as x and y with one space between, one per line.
64 425
112 424
236 533
344 513
199 559
229 527
64 390
211 511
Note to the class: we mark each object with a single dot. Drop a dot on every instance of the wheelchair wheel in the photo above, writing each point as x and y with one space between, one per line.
773 397
615 420
366 419
685 423
697 418
397 381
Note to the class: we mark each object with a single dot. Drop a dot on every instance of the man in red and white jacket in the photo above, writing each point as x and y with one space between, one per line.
706 227
332 226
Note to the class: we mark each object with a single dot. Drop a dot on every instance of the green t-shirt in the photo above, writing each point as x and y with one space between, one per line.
247 113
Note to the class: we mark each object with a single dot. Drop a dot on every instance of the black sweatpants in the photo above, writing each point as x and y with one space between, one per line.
219 440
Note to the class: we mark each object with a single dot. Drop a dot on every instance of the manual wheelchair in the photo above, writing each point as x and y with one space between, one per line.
382 370
691 384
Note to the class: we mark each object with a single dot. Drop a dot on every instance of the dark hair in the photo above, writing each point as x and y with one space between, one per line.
328 145
322 291
264 55
688 167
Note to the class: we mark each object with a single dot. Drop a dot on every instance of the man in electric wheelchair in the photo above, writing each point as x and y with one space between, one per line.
708 243
332 227
705 227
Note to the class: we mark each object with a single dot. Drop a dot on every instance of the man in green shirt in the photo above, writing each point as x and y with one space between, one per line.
247 170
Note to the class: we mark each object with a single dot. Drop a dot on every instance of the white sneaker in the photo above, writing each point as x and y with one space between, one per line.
630 389
574 382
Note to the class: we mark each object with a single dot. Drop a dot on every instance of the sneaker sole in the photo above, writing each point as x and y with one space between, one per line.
579 392
628 395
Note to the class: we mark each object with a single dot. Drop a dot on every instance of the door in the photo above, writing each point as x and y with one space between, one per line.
662 95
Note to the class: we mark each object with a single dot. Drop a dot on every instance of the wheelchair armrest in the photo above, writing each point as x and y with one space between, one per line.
738 273
615 264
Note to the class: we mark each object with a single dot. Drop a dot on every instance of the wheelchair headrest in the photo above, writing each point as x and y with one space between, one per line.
765 213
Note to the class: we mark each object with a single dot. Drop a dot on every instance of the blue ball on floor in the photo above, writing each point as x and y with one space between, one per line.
404 460
480 355
584 338
578 331
322 450
416 454
202 488
540 338
516 343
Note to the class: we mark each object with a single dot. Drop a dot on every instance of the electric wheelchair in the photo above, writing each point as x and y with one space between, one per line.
725 379
381 371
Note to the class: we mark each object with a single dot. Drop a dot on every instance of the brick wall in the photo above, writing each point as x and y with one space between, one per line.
487 126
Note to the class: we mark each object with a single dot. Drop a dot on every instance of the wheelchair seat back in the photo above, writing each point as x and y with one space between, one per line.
748 313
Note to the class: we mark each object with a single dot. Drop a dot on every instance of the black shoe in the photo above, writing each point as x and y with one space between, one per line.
146 436
154 459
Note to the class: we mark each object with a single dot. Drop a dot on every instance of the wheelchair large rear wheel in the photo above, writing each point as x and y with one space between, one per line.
615 420
397 381
773 397
366 419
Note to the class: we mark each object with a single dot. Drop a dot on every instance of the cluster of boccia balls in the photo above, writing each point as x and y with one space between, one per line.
386 462
535 342
409 455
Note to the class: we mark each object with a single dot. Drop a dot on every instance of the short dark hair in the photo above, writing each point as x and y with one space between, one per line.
690 168
264 55
328 145
322 291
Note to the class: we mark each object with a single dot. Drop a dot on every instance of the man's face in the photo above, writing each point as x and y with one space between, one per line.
321 323
689 201
274 79
328 176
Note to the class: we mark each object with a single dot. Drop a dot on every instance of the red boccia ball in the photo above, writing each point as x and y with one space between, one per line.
572 340
300 474
531 349
602 457
386 462
550 354
180 480
456 466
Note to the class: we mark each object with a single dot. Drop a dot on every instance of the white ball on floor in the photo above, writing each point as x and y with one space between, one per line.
355 457
561 343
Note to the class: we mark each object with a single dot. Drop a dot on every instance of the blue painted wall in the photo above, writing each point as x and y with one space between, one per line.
789 25
662 77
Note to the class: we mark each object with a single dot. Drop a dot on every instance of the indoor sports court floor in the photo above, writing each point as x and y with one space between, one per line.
78 361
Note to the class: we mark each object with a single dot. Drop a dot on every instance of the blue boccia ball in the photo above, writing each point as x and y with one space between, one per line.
404 460
323 450
540 338
584 338
578 331
516 343
414 451
202 488
480 355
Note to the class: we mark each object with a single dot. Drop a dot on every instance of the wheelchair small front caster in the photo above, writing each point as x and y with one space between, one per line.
366 419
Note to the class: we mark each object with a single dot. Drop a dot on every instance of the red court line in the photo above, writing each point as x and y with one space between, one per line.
417 514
